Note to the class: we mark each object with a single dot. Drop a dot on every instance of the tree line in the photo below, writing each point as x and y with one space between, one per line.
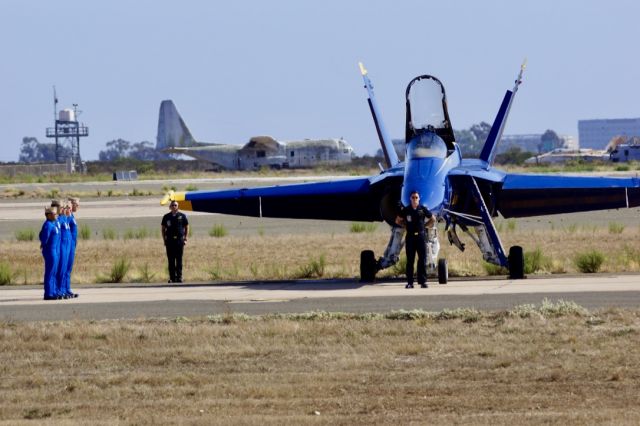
470 141
33 151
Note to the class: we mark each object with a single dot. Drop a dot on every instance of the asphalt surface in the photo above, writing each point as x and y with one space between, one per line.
202 299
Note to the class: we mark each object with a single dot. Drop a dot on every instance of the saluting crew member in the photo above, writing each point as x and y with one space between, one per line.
59 219
65 245
73 227
416 218
175 231
50 247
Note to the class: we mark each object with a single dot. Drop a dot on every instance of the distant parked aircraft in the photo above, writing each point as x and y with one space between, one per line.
261 151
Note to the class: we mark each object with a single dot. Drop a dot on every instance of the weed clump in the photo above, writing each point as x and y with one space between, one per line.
25 234
615 228
146 276
218 231
109 234
85 232
313 269
359 227
5 273
561 308
589 262
118 272
492 269
535 261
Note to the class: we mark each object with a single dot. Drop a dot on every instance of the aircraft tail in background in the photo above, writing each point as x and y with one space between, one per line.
172 131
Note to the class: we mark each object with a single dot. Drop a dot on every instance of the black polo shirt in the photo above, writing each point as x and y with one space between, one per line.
175 225
415 219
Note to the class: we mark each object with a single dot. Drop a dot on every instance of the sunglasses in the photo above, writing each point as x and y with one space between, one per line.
414 197
174 205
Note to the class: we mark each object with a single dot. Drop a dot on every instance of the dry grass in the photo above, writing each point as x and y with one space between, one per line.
531 366
284 256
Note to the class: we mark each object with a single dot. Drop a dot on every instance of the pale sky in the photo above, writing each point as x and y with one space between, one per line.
289 69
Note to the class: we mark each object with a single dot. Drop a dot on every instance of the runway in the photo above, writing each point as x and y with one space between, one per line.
98 302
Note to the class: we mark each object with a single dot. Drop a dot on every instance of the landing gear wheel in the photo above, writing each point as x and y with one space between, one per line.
367 266
516 263
443 271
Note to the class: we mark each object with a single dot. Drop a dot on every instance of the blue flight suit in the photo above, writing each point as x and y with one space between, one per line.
65 246
73 227
50 244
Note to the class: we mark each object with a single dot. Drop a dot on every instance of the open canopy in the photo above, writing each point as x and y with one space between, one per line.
427 110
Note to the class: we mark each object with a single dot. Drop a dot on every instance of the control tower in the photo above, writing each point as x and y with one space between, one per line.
67 133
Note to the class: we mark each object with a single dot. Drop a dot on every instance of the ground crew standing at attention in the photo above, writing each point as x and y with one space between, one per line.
175 231
73 227
415 218
65 245
50 246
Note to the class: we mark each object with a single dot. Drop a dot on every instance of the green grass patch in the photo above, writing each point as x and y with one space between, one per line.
535 261
615 228
5 273
399 269
492 269
137 234
218 231
215 272
589 262
313 269
145 274
26 234
118 272
109 234
85 232
359 227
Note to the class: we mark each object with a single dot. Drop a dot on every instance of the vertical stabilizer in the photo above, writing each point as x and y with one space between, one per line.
385 141
495 134
172 132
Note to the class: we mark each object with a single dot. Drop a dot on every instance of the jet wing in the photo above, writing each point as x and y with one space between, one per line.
356 199
533 195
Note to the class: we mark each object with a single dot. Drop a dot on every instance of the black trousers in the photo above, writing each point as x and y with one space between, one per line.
413 244
175 248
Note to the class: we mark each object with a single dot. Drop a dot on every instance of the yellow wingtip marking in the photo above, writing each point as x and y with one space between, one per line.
168 197
363 70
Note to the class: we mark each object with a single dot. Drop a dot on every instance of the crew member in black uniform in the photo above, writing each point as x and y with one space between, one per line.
175 231
416 218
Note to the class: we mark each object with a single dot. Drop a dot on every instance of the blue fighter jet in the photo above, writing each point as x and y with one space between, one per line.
463 193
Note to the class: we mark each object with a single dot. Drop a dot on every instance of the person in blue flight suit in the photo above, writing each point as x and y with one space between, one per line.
65 245
175 231
50 246
416 218
73 226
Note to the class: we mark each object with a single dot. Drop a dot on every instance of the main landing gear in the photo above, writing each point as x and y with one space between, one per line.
369 266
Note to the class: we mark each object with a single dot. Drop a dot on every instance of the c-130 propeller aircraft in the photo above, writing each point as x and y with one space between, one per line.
463 193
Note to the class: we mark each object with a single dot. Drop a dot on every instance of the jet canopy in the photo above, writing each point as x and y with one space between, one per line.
427 110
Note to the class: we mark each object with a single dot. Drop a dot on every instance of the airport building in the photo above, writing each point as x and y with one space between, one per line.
596 134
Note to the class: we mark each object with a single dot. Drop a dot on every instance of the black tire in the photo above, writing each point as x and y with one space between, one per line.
367 266
516 263
443 271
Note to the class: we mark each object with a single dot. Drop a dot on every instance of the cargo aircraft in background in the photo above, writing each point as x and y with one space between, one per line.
174 137
465 194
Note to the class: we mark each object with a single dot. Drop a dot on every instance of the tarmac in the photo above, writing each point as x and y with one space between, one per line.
197 299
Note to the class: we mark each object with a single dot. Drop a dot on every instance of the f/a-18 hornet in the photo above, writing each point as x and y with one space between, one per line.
465 194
